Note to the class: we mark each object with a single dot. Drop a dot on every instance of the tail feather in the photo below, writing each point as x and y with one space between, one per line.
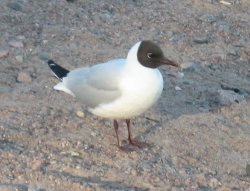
58 71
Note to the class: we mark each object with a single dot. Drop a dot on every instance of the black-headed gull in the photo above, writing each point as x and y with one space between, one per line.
120 88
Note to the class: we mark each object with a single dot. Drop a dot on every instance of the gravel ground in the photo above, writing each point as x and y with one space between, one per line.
198 132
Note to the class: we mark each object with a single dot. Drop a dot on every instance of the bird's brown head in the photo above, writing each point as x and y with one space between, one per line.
150 55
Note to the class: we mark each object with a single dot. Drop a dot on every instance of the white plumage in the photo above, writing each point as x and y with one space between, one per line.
118 89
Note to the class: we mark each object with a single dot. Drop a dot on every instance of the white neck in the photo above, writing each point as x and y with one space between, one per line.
132 54
133 63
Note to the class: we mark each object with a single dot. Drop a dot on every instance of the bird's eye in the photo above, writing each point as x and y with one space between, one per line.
149 55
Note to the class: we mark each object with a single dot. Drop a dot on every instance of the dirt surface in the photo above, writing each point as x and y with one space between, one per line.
199 130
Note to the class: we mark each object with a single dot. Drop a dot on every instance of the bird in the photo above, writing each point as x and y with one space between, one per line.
118 89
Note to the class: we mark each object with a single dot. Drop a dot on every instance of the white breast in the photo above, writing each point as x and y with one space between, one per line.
141 87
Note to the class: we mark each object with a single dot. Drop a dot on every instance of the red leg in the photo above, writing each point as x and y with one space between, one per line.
123 148
131 140
116 132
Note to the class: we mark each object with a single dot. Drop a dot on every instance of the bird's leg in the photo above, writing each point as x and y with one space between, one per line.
122 148
131 140
129 131
116 132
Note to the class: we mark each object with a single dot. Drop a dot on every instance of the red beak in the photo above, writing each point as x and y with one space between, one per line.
166 61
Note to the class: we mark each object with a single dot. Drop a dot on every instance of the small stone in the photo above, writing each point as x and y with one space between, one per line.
177 75
223 26
208 18
74 153
239 43
174 160
105 17
177 88
16 43
213 183
80 114
189 66
35 125
220 118
201 180
229 97
4 53
133 172
43 55
15 6
36 164
93 134
156 180
180 74
45 41
224 188
248 170
225 3
23 77
19 58
232 52
20 37
201 40
182 172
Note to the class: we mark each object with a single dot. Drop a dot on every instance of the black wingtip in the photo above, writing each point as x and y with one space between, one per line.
59 71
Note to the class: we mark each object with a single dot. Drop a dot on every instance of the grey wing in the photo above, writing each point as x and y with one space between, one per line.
96 85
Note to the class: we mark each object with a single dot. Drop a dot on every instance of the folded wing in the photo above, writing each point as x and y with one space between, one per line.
94 85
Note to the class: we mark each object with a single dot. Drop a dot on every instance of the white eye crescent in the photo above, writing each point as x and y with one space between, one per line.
149 55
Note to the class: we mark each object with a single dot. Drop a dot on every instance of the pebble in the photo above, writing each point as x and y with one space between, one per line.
174 160
232 52
213 183
224 188
201 180
201 40
177 88
19 58
80 114
189 66
220 118
225 3
133 172
20 37
45 41
16 43
4 53
15 6
23 77
93 134
177 75
229 97
73 153
43 55
208 18
248 170
105 17
180 74
36 164
223 26
239 43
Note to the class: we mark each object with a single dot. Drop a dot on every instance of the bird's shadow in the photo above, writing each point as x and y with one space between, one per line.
197 92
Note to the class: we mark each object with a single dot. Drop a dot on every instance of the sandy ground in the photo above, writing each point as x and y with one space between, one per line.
199 130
